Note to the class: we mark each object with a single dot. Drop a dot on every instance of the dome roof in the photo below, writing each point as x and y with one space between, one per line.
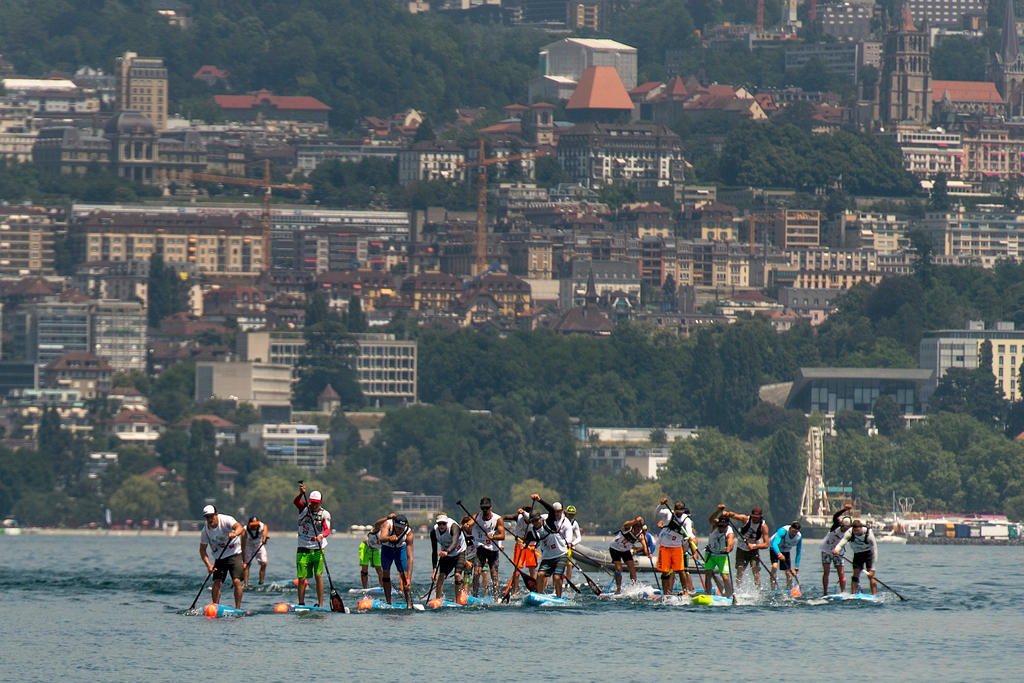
128 122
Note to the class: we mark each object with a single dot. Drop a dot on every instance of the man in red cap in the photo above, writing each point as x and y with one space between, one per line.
754 537
314 527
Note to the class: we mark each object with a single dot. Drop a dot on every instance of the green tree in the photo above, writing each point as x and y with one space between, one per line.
786 459
136 499
166 290
201 465
888 416
520 493
328 359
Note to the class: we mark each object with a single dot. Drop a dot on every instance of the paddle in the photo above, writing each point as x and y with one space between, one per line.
795 591
208 575
594 588
336 604
433 580
728 559
254 553
528 581
890 588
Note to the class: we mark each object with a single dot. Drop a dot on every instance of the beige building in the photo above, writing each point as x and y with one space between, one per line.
795 228
142 87
26 241
212 243
262 384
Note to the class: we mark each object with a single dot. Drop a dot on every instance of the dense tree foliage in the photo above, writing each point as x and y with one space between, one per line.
359 58
783 155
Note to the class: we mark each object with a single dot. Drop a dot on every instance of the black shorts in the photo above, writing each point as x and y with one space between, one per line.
487 558
745 557
446 564
620 555
231 564
863 560
785 563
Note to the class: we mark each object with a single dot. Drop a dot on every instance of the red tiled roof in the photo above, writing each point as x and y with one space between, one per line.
216 421
210 71
130 416
600 88
644 88
266 97
513 127
966 91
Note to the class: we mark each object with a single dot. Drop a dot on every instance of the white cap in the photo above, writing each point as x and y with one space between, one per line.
556 506
209 510
315 497
441 517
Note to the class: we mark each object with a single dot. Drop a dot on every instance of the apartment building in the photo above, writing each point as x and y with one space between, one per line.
941 350
600 154
26 241
981 237
386 369
118 333
299 445
142 87
213 244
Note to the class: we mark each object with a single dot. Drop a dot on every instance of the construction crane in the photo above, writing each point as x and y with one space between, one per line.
262 183
482 162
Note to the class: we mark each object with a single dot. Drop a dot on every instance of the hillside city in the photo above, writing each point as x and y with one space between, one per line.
769 254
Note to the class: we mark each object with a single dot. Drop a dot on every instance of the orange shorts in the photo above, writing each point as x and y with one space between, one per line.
524 557
670 559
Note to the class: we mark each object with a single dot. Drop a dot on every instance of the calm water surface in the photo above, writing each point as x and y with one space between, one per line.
109 608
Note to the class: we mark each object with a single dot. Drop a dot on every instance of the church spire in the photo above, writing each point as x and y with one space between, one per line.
1009 47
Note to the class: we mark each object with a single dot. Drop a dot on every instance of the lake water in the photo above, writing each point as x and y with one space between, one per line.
110 608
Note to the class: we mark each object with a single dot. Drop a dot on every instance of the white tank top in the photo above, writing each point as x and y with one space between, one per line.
444 538
481 528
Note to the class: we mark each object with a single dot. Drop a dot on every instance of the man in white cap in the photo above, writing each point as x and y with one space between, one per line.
448 554
314 527
553 533
222 533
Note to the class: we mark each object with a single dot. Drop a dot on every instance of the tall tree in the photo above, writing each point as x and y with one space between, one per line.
786 459
166 291
201 481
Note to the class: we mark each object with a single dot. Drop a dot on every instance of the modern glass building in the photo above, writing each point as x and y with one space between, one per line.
827 390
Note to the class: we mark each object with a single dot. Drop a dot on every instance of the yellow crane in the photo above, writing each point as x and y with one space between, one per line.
262 183
482 162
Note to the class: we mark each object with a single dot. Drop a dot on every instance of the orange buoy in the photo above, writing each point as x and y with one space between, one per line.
365 603
282 607
462 599
435 603
211 610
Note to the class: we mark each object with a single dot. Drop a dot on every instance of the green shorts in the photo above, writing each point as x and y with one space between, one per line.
719 562
368 556
309 563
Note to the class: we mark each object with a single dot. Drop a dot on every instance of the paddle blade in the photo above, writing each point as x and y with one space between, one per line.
795 590
336 604
529 581
594 588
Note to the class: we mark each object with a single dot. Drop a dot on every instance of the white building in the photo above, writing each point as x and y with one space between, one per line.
300 445
983 237
119 333
431 160
386 369
564 62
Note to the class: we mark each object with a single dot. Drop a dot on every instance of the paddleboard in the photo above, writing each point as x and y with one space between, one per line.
215 611
376 590
372 603
867 597
538 600
710 600
285 607
438 603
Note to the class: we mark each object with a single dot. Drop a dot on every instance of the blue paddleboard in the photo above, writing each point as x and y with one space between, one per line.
539 600
286 607
215 611
866 597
